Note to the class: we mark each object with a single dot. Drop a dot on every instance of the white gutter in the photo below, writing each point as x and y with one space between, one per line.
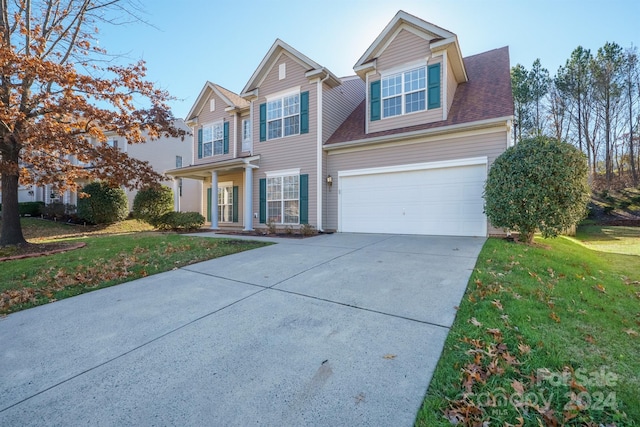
319 175
423 132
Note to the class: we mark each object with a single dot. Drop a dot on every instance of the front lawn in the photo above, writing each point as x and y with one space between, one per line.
112 255
545 335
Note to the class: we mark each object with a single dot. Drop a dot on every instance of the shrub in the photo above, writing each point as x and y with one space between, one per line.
308 230
30 208
180 221
104 204
538 184
271 227
624 204
152 202
59 210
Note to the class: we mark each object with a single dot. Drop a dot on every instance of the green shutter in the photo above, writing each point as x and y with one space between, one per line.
225 142
374 100
209 204
263 122
235 203
433 79
304 112
263 200
200 143
304 199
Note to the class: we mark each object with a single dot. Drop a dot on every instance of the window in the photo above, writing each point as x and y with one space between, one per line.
404 92
225 203
113 143
283 116
246 135
178 161
213 139
283 199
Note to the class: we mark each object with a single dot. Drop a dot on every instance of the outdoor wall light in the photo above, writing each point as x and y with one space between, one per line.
329 180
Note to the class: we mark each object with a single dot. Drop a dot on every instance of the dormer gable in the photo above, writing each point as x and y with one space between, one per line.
438 40
231 101
313 70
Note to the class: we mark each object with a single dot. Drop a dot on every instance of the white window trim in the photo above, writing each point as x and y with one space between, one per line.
226 184
213 140
282 200
403 94
274 174
282 93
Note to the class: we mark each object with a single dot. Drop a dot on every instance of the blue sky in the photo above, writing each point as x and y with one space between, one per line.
192 41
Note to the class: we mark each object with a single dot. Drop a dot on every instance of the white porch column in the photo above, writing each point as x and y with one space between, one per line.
214 200
176 194
248 198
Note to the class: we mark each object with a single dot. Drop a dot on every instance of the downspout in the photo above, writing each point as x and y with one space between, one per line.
319 177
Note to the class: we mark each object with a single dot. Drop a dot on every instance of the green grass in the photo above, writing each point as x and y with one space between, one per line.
111 256
557 322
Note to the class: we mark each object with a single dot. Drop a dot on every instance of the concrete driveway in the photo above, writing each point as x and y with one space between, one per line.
342 329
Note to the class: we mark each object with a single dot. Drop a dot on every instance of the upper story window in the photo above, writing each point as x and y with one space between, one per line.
178 161
283 116
246 135
212 139
404 92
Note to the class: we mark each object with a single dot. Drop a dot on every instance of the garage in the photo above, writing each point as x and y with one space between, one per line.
437 198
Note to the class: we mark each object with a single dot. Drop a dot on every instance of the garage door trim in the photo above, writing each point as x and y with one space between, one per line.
416 166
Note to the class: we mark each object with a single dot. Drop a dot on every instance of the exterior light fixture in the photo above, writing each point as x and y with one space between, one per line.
329 180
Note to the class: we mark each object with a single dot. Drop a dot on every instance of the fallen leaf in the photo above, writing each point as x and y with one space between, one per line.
389 356
590 339
631 332
497 304
475 322
518 387
555 317
524 348
600 288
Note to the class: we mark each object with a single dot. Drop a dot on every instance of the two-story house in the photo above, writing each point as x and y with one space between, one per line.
403 146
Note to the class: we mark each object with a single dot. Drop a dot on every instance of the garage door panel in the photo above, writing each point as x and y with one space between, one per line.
446 201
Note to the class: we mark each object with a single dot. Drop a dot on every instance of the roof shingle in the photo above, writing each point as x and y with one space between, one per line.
487 95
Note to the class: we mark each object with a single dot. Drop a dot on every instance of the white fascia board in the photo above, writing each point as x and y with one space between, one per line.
283 93
283 172
416 166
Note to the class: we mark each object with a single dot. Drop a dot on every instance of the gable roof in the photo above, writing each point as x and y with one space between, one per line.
439 39
231 99
313 68
487 95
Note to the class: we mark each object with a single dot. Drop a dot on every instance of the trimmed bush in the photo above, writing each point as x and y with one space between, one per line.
105 204
538 184
186 221
30 208
152 202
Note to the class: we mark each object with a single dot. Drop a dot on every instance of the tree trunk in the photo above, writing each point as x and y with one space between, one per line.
11 230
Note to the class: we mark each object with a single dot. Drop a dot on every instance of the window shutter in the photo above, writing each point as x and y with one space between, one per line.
263 122
235 203
200 143
209 204
304 112
263 200
374 100
225 142
304 199
434 86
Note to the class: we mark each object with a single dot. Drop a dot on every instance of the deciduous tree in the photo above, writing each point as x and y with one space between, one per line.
57 100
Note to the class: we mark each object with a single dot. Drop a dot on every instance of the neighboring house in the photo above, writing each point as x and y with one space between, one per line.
162 154
402 147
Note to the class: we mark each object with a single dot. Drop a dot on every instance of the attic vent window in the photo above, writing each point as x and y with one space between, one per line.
212 105
282 71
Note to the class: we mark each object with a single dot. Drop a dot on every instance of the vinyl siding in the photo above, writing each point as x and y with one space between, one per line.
405 48
422 150
291 152
452 85
207 117
339 102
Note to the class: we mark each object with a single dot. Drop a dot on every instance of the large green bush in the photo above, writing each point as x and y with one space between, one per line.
180 221
538 184
152 202
105 204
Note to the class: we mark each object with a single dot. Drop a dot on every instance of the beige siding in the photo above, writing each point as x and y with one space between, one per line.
422 150
339 102
291 152
207 117
452 85
426 116
405 47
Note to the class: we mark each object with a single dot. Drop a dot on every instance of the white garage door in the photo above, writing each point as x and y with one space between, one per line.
441 198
